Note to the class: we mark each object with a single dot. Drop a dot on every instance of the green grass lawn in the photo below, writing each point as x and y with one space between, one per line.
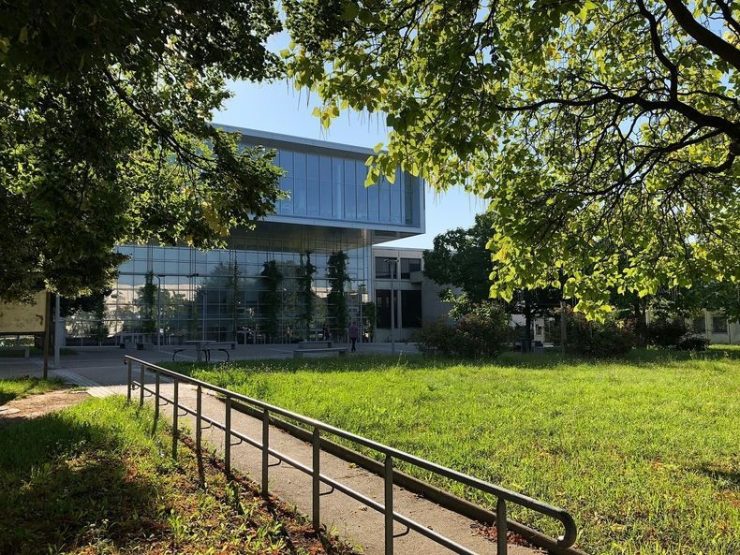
94 478
644 452
21 387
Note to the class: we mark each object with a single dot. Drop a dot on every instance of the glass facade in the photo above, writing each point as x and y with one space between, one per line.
226 295
332 187
260 289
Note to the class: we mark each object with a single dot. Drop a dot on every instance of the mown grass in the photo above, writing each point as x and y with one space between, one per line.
94 478
644 452
17 388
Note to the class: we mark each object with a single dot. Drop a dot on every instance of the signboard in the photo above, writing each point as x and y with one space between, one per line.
20 318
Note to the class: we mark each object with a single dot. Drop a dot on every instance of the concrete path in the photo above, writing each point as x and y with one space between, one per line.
105 374
349 518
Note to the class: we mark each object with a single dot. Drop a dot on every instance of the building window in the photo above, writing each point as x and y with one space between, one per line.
383 306
409 265
719 324
700 324
385 268
411 309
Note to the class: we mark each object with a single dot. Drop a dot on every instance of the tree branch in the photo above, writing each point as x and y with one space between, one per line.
702 35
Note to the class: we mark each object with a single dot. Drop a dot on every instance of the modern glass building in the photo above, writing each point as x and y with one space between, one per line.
272 283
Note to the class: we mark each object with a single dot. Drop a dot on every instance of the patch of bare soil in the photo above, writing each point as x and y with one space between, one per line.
34 406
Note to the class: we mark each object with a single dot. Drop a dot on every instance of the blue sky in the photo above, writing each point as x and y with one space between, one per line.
279 108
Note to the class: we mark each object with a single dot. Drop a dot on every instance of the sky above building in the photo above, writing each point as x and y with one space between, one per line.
279 108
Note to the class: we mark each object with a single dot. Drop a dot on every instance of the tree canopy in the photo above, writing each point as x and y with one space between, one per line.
105 133
605 135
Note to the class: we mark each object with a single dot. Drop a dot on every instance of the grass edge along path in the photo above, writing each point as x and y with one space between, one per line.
93 478
643 451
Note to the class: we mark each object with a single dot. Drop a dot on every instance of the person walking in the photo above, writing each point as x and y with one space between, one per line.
354 333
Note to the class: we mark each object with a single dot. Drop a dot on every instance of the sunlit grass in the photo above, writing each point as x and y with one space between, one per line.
17 388
645 452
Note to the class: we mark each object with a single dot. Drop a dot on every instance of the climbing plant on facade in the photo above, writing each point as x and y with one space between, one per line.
336 272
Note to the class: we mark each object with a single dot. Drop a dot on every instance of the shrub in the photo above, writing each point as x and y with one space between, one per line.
663 332
610 338
692 342
482 332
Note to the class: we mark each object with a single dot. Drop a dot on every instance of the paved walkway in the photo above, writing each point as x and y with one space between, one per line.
104 373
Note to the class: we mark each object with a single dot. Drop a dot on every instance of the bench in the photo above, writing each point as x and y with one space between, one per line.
341 351
206 351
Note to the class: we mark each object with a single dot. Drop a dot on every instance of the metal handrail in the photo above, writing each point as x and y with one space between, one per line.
502 494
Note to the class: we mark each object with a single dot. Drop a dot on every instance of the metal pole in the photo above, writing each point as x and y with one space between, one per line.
227 437
159 311
198 425
141 386
399 323
393 314
316 479
265 447
47 334
175 410
156 397
388 505
57 333
501 543
128 383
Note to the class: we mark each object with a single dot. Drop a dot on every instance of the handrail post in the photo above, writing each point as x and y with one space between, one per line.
227 437
388 505
198 425
141 386
128 382
502 546
316 479
175 411
265 450
156 397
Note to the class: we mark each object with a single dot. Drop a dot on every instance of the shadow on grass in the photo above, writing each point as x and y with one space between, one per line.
65 484
726 479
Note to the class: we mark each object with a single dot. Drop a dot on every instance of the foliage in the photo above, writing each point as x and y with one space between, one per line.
609 338
270 298
94 305
305 273
459 258
693 342
666 332
105 133
604 135
639 450
481 332
102 462
336 273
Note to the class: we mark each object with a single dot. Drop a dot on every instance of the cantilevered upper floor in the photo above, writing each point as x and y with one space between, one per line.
325 183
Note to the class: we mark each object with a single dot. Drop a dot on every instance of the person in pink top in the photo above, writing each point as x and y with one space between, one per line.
354 333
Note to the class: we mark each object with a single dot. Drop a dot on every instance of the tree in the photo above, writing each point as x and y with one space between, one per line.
336 272
460 258
105 135
270 299
305 273
600 132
